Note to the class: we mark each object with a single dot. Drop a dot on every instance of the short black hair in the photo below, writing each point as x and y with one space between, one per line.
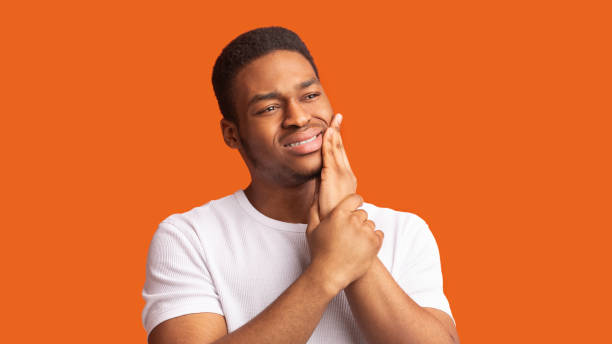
246 48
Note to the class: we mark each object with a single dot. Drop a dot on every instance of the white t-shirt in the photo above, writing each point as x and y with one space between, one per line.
226 257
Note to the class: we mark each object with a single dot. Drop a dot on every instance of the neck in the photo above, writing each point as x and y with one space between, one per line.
282 203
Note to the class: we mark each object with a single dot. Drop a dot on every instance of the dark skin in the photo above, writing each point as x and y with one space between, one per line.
282 184
318 189
277 195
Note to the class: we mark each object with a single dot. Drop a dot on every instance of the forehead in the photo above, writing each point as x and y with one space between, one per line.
278 71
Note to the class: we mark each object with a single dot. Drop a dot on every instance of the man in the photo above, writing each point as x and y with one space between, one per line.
296 256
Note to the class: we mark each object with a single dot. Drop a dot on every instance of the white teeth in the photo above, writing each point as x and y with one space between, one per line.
302 142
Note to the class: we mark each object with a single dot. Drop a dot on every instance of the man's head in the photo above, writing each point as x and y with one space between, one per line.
270 96
246 48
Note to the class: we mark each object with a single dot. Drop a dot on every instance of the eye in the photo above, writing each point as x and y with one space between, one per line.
311 96
268 109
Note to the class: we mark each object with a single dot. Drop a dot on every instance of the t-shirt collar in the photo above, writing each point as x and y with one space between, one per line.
246 205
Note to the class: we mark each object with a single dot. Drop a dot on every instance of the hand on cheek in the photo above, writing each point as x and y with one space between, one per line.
337 178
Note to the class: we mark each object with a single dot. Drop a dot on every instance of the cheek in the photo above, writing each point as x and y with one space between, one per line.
321 110
326 115
261 139
325 110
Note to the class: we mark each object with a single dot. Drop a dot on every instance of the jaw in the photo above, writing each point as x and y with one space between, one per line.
308 168
306 163
294 171
282 167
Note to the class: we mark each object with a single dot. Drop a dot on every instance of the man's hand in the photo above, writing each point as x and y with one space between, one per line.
344 244
337 178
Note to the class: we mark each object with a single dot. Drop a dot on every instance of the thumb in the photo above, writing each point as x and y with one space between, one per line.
313 215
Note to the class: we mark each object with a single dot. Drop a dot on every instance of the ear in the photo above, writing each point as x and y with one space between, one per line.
229 130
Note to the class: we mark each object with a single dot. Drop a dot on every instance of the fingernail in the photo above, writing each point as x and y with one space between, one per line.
339 119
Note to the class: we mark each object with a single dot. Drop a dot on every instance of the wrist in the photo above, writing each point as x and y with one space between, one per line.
326 282
365 278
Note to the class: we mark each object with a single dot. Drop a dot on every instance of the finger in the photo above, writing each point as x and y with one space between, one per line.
361 214
338 120
370 224
313 215
341 157
337 150
342 153
350 202
328 159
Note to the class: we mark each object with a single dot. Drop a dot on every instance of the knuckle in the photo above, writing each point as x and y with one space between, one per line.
374 239
366 227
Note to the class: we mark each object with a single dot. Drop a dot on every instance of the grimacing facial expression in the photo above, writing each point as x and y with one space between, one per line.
282 112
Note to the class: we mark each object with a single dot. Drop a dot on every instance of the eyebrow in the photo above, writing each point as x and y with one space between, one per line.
307 83
276 95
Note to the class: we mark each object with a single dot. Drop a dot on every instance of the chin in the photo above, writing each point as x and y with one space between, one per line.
306 172
310 165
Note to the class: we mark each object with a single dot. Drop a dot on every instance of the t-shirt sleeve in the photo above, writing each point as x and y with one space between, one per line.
419 271
178 281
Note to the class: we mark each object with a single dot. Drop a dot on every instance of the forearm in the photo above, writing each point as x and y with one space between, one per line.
386 314
292 317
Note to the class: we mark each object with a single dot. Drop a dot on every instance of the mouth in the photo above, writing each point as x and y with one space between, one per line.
295 144
309 145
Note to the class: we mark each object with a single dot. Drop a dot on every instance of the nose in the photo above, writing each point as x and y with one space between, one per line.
295 115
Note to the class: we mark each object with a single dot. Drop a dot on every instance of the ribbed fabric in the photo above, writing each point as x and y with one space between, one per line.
226 257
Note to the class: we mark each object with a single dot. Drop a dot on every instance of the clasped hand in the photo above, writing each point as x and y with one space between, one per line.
342 240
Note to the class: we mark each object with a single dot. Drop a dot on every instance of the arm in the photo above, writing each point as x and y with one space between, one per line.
204 327
346 233
386 314
291 318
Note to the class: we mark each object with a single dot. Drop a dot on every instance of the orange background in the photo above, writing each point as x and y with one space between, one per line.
491 120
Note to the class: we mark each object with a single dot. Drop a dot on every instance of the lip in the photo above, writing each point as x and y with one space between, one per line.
301 136
308 147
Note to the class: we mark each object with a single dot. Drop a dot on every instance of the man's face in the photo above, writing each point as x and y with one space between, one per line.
282 112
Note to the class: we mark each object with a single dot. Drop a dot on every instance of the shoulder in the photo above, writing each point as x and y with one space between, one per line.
396 217
407 226
193 228
188 233
203 216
